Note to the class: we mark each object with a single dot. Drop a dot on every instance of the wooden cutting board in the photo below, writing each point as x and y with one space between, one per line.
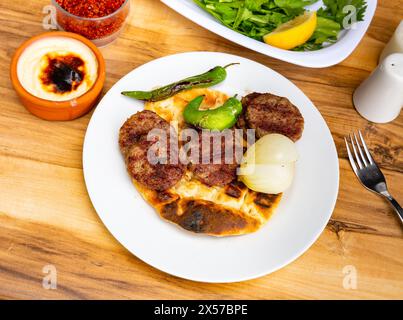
46 217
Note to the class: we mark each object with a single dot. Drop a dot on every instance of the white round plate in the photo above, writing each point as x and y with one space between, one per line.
301 217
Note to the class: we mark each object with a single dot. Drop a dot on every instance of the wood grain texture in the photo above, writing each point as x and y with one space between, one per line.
46 216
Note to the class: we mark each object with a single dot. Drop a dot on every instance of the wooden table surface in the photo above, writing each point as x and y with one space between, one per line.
46 217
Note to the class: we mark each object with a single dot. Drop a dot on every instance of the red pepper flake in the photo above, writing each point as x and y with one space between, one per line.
92 29
91 8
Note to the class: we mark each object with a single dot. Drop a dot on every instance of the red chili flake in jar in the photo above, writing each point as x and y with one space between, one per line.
91 8
94 19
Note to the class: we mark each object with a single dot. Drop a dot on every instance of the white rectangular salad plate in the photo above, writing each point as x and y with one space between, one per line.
328 56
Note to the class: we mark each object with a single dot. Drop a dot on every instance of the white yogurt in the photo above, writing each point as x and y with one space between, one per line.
35 58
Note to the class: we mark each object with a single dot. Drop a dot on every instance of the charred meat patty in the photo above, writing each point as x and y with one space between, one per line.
135 148
219 171
154 176
138 125
268 113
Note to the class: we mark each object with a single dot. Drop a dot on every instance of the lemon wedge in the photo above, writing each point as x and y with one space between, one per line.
293 33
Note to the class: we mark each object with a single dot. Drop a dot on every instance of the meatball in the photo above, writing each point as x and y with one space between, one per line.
138 125
221 173
268 113
157 173
153 176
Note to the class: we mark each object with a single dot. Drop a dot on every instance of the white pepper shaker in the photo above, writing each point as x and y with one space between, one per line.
380 97
395 44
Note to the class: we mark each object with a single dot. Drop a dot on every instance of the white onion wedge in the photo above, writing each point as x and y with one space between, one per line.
272 148
268 178
268 165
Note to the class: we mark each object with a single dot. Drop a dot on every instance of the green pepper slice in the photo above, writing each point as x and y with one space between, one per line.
221 118
205 80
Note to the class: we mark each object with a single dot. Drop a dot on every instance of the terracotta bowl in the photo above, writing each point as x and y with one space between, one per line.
59 110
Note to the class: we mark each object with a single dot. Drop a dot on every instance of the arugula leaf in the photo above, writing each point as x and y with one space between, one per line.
243 14
254 5
326 31
294 4
338 10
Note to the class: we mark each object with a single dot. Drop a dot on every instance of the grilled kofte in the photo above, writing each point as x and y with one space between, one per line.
205 198
268 113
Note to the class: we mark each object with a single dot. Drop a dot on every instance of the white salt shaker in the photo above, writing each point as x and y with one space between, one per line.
395 44
380 97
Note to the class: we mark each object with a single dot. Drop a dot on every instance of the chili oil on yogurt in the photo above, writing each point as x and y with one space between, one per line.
57 69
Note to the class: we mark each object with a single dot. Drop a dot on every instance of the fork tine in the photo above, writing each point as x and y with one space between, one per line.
350 156
355 152
371 161
360 150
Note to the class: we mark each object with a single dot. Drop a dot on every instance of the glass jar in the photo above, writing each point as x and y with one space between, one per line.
101 31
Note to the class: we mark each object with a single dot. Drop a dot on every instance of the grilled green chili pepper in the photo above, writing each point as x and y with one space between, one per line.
221 118
208 79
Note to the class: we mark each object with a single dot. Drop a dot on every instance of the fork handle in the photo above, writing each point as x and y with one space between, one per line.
396 206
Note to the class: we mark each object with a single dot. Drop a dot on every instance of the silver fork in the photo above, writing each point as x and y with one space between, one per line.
368 172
